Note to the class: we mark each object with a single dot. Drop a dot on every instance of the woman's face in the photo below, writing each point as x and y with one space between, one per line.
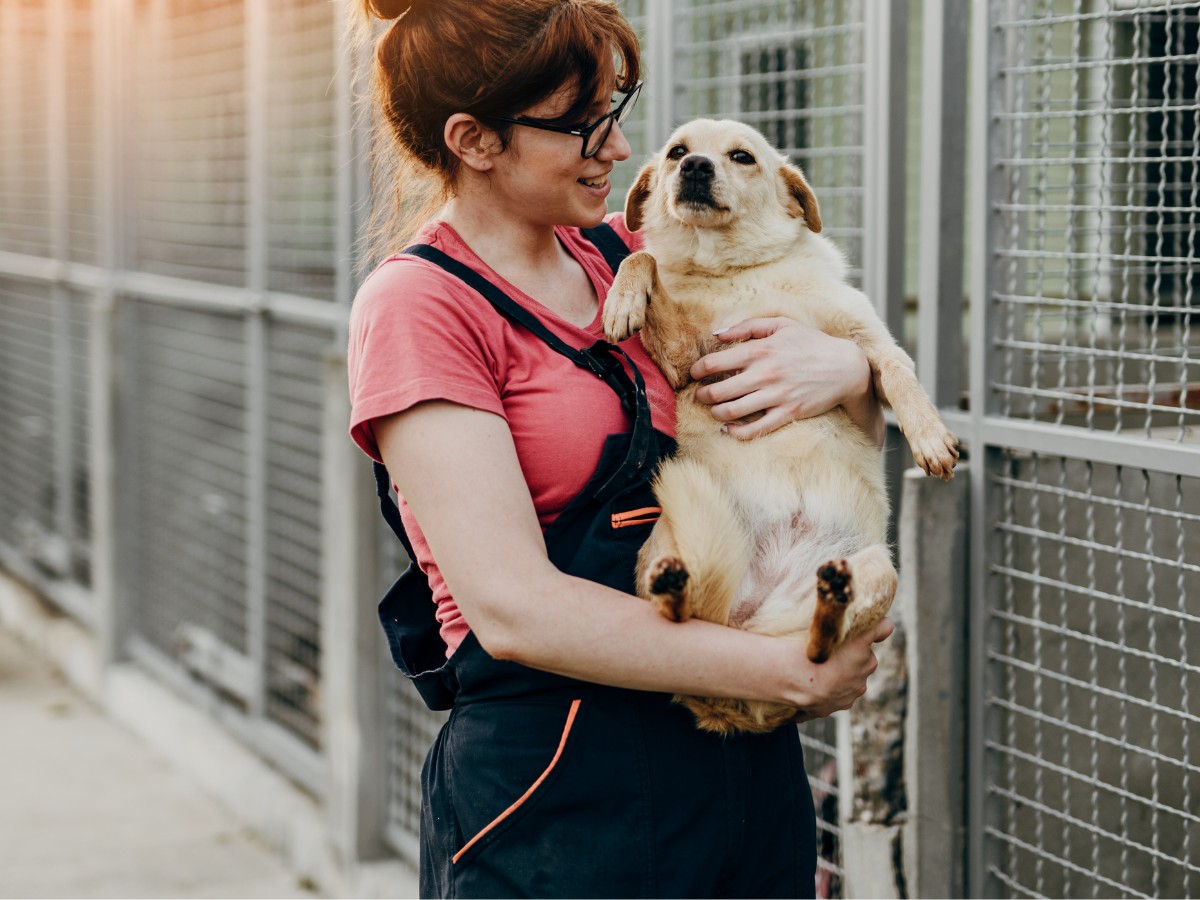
542 175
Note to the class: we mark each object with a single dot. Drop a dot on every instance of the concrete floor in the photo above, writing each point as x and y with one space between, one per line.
88 810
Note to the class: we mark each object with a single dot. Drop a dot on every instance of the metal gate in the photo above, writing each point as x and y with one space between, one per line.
1086 570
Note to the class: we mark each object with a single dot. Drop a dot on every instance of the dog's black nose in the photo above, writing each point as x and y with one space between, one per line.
698 167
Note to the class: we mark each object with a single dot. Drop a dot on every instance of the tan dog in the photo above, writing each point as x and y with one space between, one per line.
784 534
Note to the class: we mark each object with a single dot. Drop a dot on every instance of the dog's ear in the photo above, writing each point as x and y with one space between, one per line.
638 195
801 201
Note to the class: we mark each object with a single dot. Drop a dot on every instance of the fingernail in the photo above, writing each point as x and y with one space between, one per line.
721 330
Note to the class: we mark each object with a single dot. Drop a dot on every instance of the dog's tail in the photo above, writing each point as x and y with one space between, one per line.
710 536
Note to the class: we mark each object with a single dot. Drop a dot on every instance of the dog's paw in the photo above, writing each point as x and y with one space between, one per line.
624 311
935 451
835 591
666 580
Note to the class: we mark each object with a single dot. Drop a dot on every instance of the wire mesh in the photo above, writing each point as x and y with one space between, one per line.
27 409
819 740
1098 240
83 225
1092 693
184 436
413 729
190 101
79 423
636 128
295 373
301 207
24 128
795 71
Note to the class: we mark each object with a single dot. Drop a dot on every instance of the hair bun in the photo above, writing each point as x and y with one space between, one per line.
389 9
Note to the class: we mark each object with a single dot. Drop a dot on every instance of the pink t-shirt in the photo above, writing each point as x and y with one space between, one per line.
419 333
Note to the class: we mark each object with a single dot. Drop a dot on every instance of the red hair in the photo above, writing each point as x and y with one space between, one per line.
485 58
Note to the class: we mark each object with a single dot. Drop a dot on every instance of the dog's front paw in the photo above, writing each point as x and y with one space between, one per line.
624 310
936 451
666 583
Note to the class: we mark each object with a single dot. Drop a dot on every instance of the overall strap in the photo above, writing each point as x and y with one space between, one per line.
601 359
609 243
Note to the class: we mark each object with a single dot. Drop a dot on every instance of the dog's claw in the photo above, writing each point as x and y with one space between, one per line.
936 453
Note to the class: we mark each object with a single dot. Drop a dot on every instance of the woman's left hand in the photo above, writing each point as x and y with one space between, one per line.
788 371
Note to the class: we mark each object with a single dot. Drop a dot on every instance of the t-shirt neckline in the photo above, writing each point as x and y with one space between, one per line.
571 246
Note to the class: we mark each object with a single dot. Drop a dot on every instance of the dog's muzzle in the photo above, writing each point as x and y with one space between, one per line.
696 174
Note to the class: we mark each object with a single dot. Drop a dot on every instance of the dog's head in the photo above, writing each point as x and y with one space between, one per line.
715 174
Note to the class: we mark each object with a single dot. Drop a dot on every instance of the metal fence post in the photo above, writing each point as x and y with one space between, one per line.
884 122
932 604
660 45
943 148
111 596
356 731
986 97
257 35
355 722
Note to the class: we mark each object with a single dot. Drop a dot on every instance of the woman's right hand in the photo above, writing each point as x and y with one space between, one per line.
836 683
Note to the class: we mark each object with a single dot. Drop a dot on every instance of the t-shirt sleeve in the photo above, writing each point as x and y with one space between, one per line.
416 335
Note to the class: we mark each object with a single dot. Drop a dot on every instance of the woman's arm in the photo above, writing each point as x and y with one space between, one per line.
458 470
792 372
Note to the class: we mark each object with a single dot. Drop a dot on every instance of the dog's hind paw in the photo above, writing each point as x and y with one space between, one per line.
835 591
667 579
936 452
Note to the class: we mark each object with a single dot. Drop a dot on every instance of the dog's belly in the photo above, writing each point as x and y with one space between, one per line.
823 470
808 492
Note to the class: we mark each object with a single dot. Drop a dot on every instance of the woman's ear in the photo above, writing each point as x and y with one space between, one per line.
801 201
638 195
471 141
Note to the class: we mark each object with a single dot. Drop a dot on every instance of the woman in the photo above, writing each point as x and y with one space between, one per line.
564 769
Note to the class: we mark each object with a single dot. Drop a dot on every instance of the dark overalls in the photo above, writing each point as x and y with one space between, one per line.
540 785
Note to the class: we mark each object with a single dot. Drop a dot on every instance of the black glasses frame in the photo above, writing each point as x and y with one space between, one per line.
617 115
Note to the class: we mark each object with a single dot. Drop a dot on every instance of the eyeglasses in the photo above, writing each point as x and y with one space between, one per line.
593 135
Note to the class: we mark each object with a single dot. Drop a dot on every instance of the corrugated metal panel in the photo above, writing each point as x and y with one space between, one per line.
190 177
301 207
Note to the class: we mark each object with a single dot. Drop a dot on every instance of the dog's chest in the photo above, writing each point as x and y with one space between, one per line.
719 301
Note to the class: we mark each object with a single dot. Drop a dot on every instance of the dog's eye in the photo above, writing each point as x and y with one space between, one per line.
679 151
741 157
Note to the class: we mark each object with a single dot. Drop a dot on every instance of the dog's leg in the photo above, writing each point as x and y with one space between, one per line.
637 302
853 595
662 576
628 298
934 447
698 552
